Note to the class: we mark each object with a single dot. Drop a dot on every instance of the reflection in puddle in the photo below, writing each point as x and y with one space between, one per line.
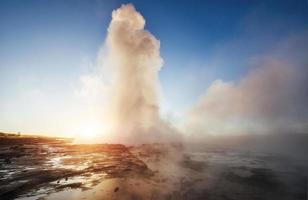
69 162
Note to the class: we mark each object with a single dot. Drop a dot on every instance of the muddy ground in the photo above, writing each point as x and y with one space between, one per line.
54 168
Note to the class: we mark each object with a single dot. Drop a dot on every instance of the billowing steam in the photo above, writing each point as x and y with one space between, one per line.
133 55
272 98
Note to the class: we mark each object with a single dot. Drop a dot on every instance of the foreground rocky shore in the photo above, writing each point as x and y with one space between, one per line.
55 168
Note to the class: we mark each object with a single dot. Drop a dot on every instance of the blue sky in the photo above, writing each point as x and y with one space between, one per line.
45 45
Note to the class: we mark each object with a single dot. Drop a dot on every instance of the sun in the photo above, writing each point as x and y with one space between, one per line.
87 131
91 129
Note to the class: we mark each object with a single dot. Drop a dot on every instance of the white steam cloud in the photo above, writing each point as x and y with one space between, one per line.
272 98
133 56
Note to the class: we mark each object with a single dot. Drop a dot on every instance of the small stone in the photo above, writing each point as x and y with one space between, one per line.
7 161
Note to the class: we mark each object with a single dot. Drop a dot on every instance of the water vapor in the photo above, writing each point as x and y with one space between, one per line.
134 57
271 98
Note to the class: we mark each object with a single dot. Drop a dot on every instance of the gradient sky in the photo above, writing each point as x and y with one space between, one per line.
46 46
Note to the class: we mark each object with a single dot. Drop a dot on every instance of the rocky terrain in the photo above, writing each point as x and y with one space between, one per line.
55 168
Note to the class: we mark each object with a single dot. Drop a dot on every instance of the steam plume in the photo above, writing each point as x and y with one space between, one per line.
133 54
272 98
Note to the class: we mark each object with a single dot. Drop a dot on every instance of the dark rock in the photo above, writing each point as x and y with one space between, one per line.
7 161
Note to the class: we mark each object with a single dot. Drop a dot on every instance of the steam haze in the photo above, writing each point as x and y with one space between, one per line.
271 99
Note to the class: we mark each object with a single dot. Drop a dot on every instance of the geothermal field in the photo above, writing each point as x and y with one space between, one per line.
54 168
206 100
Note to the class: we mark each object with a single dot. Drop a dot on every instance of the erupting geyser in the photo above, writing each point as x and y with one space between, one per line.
135 60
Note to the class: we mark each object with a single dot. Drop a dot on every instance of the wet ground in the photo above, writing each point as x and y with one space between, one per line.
51 168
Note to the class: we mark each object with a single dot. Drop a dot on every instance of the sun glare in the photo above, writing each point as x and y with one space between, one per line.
87 131
91 129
